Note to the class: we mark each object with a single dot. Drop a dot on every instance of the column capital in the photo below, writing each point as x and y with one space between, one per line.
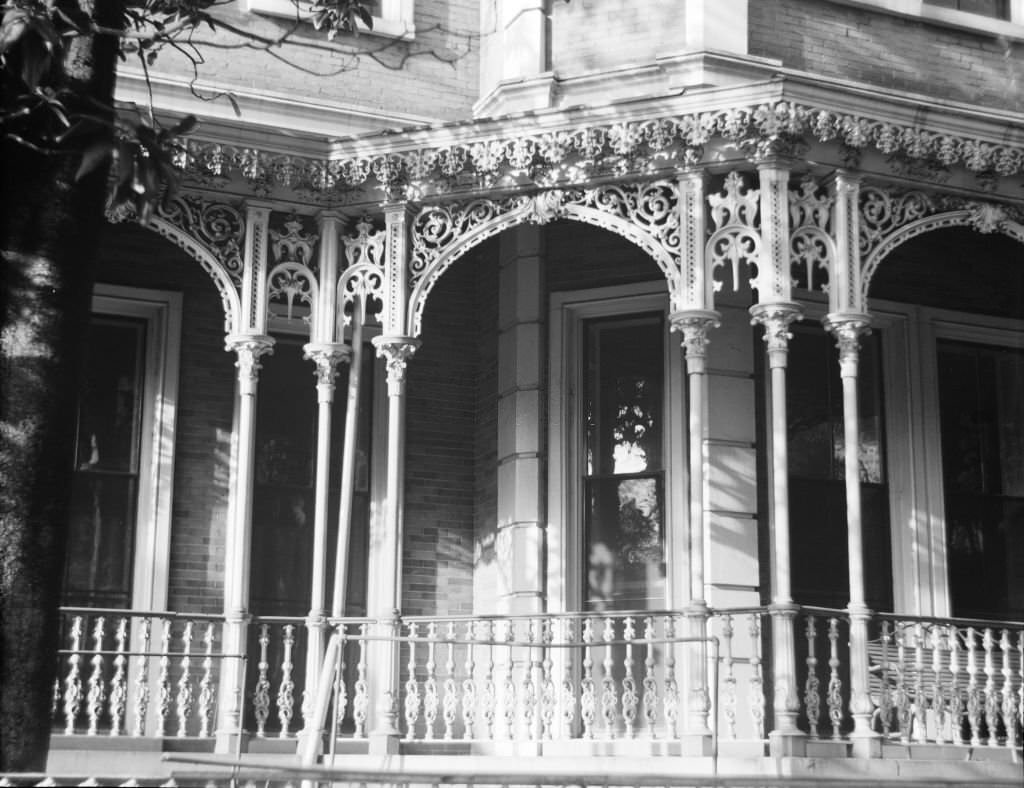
327 356
249 348
396 352
847 328
776 318
694 325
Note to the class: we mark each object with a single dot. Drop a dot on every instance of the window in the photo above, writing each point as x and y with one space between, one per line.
997 9
119 528
817 484
617 487
390 17
981 412
623 483
994 17
284 489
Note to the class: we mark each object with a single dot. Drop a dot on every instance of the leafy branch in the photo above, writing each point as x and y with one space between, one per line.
42 110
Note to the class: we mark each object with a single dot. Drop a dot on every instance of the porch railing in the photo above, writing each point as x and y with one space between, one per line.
537 678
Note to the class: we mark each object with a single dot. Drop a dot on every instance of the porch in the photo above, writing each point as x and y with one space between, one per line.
699 687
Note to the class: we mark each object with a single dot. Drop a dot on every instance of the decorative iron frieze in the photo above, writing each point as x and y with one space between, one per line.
646 213
735 241
570 157
811 246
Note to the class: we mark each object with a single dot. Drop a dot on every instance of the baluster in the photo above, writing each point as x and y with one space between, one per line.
451 698
1009 699
588 700
361 698
490 695
902 697
548 698
206 688
609 697
119 681
885 702
991 693
835 684
431 702
529 693
956 703
469 685
974 701
97 686
938 691
73 682
186 692
412 687
164 678
286 690
650 682
812 698
629 698
671 701
55 700
340 688
261 694
568 693
509 685
142 679
1020 679
919 731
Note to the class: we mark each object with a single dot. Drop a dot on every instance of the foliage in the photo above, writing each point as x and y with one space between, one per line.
41 109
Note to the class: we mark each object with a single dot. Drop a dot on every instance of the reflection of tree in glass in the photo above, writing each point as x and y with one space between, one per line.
639 532
634 423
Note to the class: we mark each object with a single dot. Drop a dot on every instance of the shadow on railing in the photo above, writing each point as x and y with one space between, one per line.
522 678
597 676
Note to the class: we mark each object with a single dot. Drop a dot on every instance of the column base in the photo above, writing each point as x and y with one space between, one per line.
698 745
229 742
384 744
782 744
866 745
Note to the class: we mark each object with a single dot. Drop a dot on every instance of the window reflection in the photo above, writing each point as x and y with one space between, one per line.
101 536
624 474
981 403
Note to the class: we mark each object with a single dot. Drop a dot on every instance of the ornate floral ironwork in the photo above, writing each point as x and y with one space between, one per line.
637 146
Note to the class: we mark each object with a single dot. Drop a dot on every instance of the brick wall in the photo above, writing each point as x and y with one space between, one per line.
594 35
580 256
839 41
449 409
434 75
130 255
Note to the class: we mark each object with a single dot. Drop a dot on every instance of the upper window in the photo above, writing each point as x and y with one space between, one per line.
996 17
390 17
997 9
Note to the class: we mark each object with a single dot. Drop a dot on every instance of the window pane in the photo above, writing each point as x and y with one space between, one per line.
817 472
623 486
982 425
101 535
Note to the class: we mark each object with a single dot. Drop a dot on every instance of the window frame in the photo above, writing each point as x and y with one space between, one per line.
914 441
949 17
565 559
395 20
162 312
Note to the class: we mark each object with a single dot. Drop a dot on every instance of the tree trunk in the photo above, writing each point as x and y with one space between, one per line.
49 229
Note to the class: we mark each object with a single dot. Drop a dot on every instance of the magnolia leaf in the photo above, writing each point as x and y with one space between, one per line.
93 156
186 125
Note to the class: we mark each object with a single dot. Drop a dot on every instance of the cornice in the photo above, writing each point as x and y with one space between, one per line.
644 138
